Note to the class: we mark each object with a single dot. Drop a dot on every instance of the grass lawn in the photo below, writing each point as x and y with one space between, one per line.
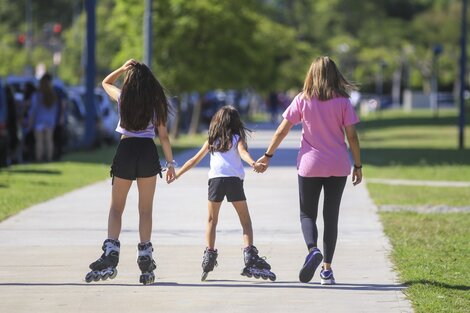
430 251
26 184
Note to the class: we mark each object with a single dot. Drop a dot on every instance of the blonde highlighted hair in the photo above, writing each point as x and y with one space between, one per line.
324 81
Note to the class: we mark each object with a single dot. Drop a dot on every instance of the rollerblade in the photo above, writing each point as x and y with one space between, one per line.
256 266
146 263
208 262
105 266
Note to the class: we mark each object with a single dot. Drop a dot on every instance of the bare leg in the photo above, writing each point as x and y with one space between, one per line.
39 144
211 226
118 202
49 143
244 215
146 186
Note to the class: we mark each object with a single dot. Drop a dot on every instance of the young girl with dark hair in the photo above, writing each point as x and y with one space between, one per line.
143 109
227 147
326 114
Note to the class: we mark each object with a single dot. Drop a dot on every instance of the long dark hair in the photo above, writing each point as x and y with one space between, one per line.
324 81
143 99
49 97
224 125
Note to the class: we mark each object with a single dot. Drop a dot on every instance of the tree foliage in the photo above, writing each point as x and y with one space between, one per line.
261 44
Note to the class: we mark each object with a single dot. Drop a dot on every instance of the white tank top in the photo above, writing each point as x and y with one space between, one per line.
227 164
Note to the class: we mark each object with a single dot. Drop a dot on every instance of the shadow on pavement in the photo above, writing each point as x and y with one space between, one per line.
230 284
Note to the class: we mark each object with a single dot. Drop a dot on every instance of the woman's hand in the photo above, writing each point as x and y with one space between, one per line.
357 176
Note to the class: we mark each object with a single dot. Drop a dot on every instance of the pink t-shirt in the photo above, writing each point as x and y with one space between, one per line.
323 151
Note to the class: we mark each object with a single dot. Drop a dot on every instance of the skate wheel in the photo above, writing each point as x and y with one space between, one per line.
113 274
96 276
257 276
204 276
264 277
89 277
272 277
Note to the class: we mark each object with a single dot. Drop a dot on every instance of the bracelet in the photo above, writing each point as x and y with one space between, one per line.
357 167
171 164
268 155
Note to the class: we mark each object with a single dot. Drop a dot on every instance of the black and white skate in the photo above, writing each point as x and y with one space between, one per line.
209 260
146 263
256 266
105 266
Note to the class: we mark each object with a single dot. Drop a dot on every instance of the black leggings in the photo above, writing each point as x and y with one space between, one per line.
309 194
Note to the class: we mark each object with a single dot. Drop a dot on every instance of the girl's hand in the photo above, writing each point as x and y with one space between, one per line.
129 63
170 175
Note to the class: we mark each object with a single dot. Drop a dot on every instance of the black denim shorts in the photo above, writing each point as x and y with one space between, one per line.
232 187
135 158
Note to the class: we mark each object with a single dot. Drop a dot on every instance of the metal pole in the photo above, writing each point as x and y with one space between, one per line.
90 73
148 33
29 38
463 61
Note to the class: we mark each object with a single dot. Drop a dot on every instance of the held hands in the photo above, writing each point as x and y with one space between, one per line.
264 161
258 167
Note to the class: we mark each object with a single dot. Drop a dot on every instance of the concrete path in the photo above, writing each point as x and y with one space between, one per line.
45 251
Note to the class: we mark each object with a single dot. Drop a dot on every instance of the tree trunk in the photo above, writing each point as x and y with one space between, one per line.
196 117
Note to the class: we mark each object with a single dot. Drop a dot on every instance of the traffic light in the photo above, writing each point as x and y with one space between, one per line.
57 29
21 40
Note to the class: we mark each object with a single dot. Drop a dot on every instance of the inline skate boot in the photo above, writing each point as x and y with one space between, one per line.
208 262
256 266
146 263
105 266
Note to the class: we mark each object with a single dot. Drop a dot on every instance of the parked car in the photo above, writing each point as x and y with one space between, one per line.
106 112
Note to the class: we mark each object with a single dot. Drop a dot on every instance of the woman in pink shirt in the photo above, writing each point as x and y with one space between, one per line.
326 114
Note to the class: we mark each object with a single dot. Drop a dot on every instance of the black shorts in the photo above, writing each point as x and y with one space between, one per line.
136 157
232 187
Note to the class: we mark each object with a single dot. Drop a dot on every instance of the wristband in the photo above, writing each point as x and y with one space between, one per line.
171 164
357 167
268 155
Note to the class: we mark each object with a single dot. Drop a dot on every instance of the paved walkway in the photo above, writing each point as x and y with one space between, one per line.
45 251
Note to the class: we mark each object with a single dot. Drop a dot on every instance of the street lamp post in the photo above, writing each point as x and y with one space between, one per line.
148 33
90 73
463 61
437 50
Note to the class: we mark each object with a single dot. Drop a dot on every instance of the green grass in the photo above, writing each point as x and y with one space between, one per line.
24 185
419 195
431 252
414 146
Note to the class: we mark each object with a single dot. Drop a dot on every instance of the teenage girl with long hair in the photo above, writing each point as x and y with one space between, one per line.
227 147
143 110
326 114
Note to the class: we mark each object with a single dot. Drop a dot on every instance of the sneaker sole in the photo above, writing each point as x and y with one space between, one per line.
327 281
308 270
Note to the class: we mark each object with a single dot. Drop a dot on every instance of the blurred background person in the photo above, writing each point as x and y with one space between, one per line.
43 118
